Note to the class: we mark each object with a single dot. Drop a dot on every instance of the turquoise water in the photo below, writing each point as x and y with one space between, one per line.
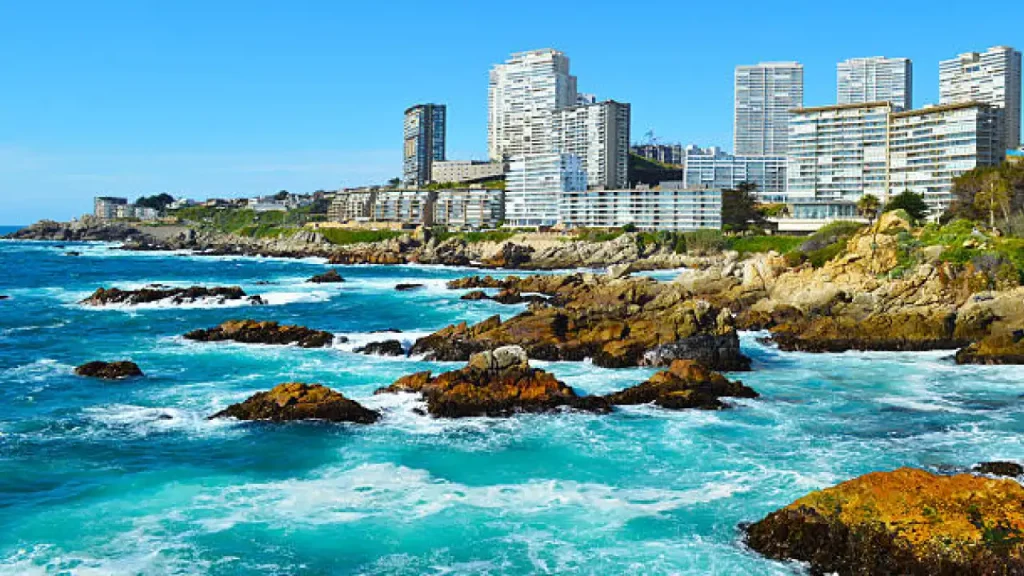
130 478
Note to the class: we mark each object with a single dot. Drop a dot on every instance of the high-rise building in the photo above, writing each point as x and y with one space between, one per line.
599 135
930 147
765 93
534 183
105 207
992 77
838 153
424 142
664 153
876 79
522 96
713 168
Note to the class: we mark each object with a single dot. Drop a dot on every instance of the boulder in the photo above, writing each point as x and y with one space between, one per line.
1008 469
329 277
221 294
497 382
686 384
385 348
1005 348
475 295
907 521
109 370
4 297
298 401
407 287
255 332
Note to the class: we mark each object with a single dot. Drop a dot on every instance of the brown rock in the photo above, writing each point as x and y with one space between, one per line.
686 384
329 277
995 349
109 370
1008 469
254 332
298 401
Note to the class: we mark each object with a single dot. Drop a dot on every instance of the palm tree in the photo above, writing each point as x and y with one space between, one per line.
868 206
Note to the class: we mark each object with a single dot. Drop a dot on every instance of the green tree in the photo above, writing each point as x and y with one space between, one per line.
913 204
740 209
994 193
629 228
868 206
156 202
282 195
394 182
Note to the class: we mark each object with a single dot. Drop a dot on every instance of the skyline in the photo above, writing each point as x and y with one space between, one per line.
113 101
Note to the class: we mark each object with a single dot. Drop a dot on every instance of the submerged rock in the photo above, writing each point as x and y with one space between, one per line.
903 522
385 348
495 383
1007 348
298 401
109 370
1008 469
407 287
329 277
156 293
254 332
686 384
4 297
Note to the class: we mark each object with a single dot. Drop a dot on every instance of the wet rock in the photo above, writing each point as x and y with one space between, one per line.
255 332
494 383
385 348
475 295
4 297
72 253
177 296
1008 469
329 277
686 384
903 522
298 401
109 370
407 287
386 331
1005 348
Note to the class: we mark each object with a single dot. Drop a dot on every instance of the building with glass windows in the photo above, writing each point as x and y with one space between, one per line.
472 208
764 95
876 79
664 153
424 142
533 186
598 134
669 206
930 147
992 77
714 168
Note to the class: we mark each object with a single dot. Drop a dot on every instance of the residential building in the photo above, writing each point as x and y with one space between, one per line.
992 77
352 205
1015 156
424 142
533 185
522 96
664 153
406 206
584 99
599 135
876 79
930 147
809 216
838 153
467 171
469 208
714 168
764 95
669 206
105 207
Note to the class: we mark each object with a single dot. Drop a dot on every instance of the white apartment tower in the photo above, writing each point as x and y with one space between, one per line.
765 93
522 96
534 185
599 135
875 79
992 77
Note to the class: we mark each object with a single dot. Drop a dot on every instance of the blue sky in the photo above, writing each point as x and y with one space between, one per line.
242 98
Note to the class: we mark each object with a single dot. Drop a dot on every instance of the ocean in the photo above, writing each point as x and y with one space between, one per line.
130 477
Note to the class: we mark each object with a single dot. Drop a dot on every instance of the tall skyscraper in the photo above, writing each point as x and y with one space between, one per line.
992 77
424 142
522 96
876 79
765 93
599 135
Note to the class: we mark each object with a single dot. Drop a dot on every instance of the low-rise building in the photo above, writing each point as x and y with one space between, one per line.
669 206
533 186
808 216
469 208
105 207
352 205
406 206
447 171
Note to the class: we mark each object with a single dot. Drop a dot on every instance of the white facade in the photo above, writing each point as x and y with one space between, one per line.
838 152
470 208
875 79
523 94
466 170
765 93
667 207
534 183
930 147
713 168
992 77
406 206
105 207
599 135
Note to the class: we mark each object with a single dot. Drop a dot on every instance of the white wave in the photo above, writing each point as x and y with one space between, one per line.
360 339
140 421
38 371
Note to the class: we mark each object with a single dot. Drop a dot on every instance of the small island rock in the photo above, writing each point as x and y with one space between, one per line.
385 348
686 384
329 277
109 370
298 401
254 332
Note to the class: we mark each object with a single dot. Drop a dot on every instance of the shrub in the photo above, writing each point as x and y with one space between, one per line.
704 242
342 236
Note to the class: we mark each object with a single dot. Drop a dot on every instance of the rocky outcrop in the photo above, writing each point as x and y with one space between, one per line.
109 370
505 296
298 401
177 296
1007 469
903 522
494 383
329 277
385 348
994 349
254 332
616 322
686 384
87 228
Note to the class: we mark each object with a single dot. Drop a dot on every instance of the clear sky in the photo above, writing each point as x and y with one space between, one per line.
208 98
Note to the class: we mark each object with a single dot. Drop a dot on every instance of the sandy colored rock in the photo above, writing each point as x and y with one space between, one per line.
298 401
